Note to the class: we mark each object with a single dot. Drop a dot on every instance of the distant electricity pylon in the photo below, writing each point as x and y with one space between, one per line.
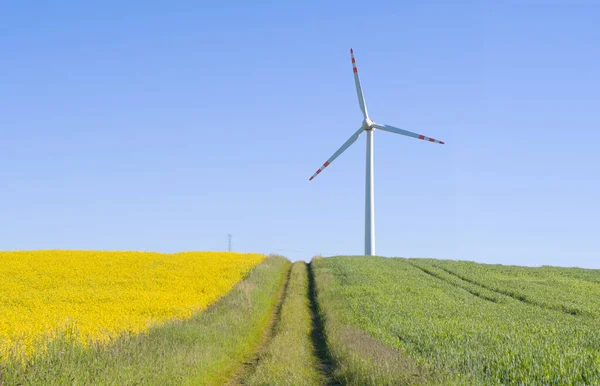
229 242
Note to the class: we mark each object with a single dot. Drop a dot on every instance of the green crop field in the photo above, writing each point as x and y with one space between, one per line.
460 322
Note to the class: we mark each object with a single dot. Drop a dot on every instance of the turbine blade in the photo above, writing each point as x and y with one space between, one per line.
361 97
396 130
346 145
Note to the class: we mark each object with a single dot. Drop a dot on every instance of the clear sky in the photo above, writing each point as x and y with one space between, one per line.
165 125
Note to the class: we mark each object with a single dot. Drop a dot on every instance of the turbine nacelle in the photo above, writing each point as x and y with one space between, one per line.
368 124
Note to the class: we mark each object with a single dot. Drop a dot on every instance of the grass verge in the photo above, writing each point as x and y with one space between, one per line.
358 358
205 349
290 356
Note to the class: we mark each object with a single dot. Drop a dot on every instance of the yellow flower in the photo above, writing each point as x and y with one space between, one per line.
95 296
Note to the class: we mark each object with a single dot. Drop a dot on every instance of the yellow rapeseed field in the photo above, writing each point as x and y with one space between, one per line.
97 296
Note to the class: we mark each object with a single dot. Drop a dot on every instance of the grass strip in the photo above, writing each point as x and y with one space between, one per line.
290 356
205 349
358 358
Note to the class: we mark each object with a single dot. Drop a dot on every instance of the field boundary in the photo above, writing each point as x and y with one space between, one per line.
357 357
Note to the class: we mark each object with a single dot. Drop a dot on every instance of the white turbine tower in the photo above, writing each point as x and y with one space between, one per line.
368 125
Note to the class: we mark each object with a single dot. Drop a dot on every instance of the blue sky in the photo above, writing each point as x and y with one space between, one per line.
166 125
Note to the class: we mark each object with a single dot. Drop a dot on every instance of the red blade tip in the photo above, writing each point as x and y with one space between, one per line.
351 51
441 142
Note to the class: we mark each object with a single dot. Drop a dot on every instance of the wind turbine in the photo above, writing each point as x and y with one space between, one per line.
368 125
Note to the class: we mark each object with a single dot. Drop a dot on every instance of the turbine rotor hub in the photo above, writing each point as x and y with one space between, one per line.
368 124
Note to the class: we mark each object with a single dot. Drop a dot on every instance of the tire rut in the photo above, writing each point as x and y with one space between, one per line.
318 332
437 276
520 297
250 365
